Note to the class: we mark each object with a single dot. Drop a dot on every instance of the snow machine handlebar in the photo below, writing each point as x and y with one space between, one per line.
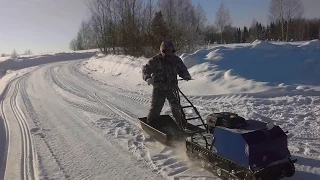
185 80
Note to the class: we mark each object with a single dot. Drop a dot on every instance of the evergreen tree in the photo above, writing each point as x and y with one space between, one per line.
209 34
159 30
245 35
28 52
235 36
238 35
14 54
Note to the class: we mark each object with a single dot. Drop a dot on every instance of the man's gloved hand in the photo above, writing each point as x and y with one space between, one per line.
187 78
150 81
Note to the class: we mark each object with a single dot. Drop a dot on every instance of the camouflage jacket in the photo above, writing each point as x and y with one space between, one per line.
164 69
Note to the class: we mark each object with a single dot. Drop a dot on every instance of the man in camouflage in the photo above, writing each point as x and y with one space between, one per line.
161 71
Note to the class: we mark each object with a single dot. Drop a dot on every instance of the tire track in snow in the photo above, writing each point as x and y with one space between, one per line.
120 129
60 81
90 104
169 165
27 154
121 113
36 119
139 98
167 162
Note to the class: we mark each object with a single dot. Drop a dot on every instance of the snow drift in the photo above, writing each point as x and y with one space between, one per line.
10 68
249 68
35 60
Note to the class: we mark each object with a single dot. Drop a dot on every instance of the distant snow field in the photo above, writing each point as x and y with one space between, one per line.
73 115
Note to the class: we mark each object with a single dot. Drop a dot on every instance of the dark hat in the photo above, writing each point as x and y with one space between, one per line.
167 45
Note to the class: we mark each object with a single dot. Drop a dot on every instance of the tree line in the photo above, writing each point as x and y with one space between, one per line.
137 27
14 53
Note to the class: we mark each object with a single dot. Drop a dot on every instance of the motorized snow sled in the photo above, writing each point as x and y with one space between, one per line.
226 144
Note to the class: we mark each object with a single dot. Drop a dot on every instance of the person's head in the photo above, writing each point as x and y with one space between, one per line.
167 48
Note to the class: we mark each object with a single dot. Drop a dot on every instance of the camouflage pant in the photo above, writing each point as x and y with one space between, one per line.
159 95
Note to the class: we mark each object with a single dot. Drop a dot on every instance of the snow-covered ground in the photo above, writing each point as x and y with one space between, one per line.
237 68
78 119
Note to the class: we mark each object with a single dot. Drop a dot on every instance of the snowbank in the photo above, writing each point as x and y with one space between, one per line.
120 69
263 45
11 68
248 68
34 60
4 58
314 44
265 62
2 73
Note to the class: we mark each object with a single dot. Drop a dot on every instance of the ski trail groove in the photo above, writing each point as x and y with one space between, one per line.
7 132
27 167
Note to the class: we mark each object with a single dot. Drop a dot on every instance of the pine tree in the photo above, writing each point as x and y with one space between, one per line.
159 30
14 54
28 52
245 35
238 35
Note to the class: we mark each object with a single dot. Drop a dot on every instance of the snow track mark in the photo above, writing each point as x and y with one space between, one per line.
27 154
38 130
6 133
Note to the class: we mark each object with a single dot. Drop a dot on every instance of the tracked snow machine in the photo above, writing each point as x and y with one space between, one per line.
226 144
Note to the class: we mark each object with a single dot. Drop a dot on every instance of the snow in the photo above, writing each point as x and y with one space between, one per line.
35 60
257 44
4 58
314 44
260 66
73 115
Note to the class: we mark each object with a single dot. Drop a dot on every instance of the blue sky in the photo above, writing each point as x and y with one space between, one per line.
242 11
49 25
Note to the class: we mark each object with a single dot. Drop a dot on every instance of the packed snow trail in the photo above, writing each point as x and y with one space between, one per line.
83 127
67 146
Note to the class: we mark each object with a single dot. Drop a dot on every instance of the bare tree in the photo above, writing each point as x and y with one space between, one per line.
86 35
73 44
100 20
185 22
130 20
168 9
223 19
200 16
285 11
148 14
293 9
276 13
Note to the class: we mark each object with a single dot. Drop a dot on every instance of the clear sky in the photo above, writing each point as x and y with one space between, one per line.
49 25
